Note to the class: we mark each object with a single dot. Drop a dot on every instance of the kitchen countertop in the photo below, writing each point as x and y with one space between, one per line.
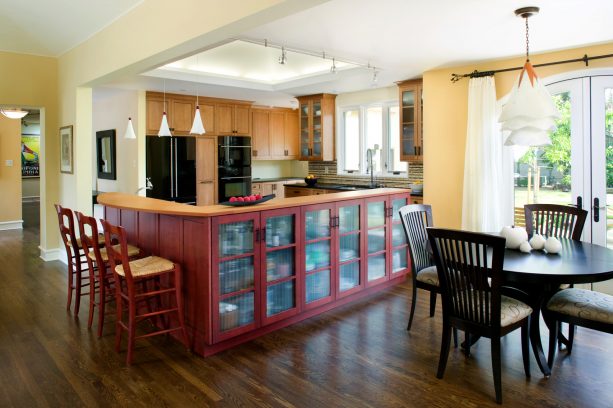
274 179
339 187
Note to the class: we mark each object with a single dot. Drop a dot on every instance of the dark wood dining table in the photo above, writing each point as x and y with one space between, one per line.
540 274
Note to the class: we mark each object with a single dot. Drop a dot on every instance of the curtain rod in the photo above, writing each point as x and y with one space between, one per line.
477 74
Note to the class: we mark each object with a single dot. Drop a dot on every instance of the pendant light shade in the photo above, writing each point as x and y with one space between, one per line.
164 129
130 130
197 126
13 113
530 113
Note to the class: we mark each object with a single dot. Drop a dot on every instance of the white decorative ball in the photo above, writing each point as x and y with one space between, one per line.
504 232
552 245
537 242
515 236
525 247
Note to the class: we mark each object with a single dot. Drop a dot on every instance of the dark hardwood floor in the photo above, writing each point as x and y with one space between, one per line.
358 356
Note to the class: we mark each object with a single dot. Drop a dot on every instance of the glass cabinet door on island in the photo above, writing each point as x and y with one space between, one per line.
350 244
400 247
235 286
318 255
280 286
376 217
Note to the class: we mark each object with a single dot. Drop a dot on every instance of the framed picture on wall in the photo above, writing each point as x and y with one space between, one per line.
30 151
66 154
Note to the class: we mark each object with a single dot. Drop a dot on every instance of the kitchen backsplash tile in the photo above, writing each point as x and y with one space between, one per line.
416 174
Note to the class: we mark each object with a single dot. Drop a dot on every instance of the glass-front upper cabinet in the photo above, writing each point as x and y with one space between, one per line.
317 127
235 261
318 254
280 264
349 248
411 115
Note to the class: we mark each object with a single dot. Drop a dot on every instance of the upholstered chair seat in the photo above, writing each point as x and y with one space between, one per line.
583 304
428 275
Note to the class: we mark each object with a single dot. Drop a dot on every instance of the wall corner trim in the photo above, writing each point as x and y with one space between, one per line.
48 255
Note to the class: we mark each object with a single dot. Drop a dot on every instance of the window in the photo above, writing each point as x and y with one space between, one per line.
374 127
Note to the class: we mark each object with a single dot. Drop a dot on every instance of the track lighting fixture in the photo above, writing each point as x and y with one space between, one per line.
283 57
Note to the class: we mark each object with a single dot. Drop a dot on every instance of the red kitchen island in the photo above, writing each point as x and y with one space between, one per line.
250 270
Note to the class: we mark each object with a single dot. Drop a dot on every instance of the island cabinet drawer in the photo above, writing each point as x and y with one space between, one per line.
297 191
255 270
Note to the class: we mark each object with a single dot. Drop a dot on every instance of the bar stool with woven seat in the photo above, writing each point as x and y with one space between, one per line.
75 257
99 269
139 281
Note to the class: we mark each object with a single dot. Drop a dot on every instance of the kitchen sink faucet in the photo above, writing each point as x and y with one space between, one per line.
370 167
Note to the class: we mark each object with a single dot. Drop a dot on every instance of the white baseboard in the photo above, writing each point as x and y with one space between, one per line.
56 254
11 225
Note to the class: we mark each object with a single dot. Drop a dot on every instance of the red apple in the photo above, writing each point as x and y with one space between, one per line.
252 197
232 199
240 199
258 196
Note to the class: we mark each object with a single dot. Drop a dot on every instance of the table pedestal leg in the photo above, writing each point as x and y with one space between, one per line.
535 340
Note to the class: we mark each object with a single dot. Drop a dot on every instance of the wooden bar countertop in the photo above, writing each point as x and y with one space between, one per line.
153 205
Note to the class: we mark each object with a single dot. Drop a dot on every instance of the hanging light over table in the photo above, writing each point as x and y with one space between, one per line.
530 113
197 126
130 130
164 129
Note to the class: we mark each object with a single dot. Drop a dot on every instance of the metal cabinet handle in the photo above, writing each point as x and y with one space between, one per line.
255 153
206 182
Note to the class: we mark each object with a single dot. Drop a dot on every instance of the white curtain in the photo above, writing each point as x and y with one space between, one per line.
487 203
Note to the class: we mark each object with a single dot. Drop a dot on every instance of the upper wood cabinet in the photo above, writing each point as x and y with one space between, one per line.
411 118
180 110
317 127
206 168
274 133
233 119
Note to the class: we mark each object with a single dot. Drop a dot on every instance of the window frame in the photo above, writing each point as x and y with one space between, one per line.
386 158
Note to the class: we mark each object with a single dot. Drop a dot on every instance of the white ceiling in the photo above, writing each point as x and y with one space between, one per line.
52 27
402 37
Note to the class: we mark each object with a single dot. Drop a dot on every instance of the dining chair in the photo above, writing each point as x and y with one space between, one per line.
471 301
139 283
560 221
415 219
100 273
577 307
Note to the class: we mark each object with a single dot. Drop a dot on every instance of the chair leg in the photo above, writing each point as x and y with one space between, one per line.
442 362
525 346
119 313
413 301
467 343
455 338
131 330
571 338
92 304
70 283
496 368
101 307
553 341
432 303
78 283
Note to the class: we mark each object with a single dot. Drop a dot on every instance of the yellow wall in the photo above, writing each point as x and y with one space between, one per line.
10 176
445 120
31 81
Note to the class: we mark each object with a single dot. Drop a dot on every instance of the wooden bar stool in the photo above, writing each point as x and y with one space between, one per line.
99 269
140 281
75 257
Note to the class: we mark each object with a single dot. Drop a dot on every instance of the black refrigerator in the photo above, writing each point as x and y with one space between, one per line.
171 167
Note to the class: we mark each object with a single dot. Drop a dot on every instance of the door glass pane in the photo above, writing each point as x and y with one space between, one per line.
349 247
376 240
280 297
317 286
235 238
317 224
317 255
394 138
349 276
236 311
609 164
376 214
376 267
398 235
542 174
399 260
374 135
397 204
351 142
349 219
279 264
235 275
279 231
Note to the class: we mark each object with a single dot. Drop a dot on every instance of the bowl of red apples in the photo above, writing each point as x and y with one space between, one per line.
252 199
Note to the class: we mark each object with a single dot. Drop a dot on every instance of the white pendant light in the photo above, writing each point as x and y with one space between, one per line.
13 113
130 130
197 126
530 113
164 129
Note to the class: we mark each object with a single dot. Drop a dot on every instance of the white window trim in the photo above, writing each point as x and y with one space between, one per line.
340 140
